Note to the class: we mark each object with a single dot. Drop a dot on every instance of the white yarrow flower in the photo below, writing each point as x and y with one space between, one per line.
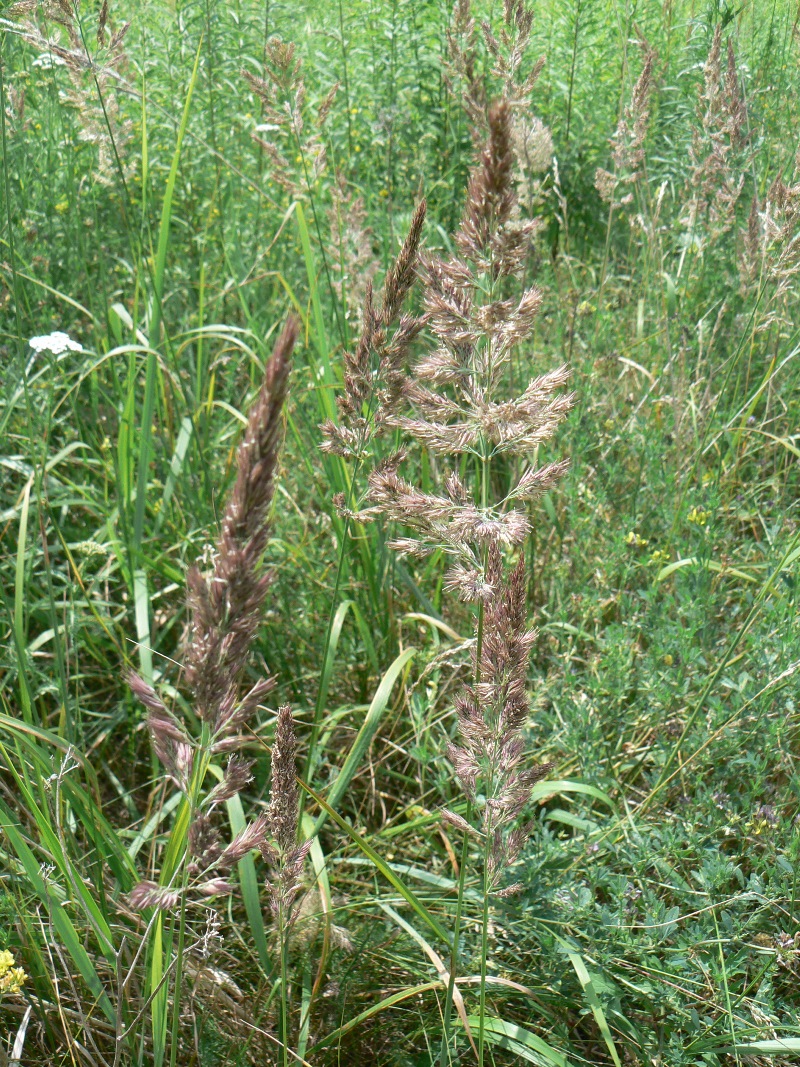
47 60
56 342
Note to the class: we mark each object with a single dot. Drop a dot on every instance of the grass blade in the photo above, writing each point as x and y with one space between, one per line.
521 1042
381 865
20 636
154 325
776 1046
251 891
62 923
365 734
375 1009
593 1000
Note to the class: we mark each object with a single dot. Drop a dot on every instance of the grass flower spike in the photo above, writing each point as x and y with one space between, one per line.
225 612
457 403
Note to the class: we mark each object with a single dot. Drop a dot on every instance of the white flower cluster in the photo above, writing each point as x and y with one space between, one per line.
47 61
56 342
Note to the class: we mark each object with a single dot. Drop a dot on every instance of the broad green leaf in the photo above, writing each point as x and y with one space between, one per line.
251 891
542 790
706 564
762 1048
335 631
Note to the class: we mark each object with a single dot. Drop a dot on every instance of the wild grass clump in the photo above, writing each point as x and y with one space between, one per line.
287 773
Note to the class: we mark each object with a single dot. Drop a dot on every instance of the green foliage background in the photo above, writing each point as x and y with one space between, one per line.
658 923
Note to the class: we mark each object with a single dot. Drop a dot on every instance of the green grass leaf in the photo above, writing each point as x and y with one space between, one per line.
520 1042
365 734
380 864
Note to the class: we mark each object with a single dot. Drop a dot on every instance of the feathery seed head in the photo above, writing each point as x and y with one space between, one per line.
204 844
402 273
717 152
284 805
627 144
249 839
237 776
225 607
490 196
374 370
149 895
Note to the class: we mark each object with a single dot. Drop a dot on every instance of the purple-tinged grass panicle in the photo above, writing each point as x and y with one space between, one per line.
353 265
225 612
374 371
771 247
249 839
225 607
718 153
627 143
148 895
97 83
506 50
492 713
506 56
457 400
284 800
237 776
460 401
287 857
281 92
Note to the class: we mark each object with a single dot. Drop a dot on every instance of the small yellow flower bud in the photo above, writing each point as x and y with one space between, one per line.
697 516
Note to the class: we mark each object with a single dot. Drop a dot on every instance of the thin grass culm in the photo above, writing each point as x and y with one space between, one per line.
458 404
285 856
224 614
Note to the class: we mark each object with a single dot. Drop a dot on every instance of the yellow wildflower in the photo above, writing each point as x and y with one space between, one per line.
634 539
11 977
697 516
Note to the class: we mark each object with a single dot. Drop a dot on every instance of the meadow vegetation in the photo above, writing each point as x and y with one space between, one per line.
398 485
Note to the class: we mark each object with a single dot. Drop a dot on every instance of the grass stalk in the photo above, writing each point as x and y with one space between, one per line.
284 951
444 1049
154 323
10 230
